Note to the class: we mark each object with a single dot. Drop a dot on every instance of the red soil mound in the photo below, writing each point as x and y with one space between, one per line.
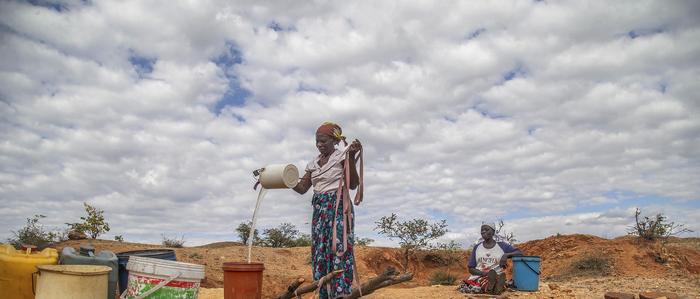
627 256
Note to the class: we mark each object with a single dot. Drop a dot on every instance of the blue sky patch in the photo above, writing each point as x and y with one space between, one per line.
230 57
52 5
142 64
643 32
308 88
531 130
663 87
474 34
518 71
235 95
277 27
486 113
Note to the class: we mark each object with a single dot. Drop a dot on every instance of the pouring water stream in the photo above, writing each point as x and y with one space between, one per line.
262 193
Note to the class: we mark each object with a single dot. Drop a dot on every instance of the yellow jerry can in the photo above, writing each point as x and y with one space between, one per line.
17 268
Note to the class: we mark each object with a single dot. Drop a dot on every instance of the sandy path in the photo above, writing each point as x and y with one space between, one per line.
688 286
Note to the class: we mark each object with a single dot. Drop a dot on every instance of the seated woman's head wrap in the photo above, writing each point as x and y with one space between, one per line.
492 225
333 130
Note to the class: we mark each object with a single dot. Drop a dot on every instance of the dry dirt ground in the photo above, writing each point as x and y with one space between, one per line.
632 267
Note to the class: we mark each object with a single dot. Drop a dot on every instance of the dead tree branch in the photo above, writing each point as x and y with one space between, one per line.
294 290
389 277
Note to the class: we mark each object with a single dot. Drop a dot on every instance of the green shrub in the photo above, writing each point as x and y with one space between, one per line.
119 238
243 231
304 240
285 235
414 235
93 224
34 233
363 241
173 242
592 265
442 278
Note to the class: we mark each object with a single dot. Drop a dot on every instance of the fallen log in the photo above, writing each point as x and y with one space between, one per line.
293 290
389 277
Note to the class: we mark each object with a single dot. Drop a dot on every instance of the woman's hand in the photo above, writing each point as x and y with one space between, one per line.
355 147
504 261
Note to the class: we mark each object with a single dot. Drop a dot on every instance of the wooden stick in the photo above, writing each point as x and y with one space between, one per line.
293 289
387 278
377 283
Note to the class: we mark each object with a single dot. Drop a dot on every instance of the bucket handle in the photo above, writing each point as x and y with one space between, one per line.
157 287
533 270
33 279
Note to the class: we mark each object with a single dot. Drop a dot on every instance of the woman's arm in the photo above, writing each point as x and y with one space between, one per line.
506 256
355 146
474 271
304 184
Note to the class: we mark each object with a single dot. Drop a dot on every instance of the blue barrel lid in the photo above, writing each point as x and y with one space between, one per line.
527 258
152 253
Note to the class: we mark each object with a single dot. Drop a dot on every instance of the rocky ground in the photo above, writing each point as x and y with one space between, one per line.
573 266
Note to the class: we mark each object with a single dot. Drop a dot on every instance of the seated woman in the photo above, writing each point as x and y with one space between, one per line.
487 262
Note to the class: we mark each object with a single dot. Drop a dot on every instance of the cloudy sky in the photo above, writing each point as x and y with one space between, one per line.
556 116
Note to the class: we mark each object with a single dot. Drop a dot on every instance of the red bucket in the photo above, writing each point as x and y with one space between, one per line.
243 280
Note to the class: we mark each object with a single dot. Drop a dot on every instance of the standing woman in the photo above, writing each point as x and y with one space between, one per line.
331 173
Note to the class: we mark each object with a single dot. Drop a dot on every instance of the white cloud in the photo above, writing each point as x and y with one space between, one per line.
556 116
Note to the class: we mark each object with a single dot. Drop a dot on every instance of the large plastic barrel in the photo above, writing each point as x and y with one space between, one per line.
526 272
123 259
72 281
17 266
157 278
86 256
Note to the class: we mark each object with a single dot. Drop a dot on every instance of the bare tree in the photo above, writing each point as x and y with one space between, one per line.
655 228
415 234
507 236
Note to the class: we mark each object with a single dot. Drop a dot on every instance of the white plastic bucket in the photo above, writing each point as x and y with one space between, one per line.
162 278
279 176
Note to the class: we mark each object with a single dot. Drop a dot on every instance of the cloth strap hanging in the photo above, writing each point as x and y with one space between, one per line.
343 193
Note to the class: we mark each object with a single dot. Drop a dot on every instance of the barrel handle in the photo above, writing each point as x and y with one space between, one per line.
157 287
533 270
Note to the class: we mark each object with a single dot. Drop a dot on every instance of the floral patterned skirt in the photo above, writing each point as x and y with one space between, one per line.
323 259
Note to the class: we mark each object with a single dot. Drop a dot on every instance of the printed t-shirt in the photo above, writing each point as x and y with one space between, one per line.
485 259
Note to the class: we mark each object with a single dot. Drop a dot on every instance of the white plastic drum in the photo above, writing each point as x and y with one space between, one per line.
279 176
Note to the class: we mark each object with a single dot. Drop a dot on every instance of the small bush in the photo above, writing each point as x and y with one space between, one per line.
195 256
285 235
93 224
119 238
173 242
592 265
304 240
243 231
442 278
33 233
363 241
656 227
414 235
